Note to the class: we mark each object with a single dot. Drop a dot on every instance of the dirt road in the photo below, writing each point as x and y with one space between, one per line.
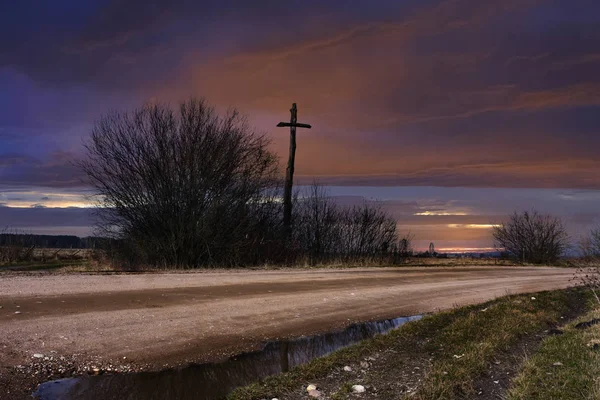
166 319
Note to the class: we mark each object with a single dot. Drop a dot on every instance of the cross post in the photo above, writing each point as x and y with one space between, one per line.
289 172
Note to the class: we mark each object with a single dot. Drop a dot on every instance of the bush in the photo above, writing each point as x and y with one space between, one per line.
325 231
590 245
532 237
183 187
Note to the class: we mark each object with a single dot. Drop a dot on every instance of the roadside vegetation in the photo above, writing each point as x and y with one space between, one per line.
533 237
186 187
566 366
455 348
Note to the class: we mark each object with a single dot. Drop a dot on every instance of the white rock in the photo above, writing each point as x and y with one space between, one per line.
314 393
347 369
38 355
532 298
311 387
364 364
557 364
358 389
17 312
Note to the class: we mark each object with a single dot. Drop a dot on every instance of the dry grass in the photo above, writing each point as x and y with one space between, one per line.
90 261
565 367
462 342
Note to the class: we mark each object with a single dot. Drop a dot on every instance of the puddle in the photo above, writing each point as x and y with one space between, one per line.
213 381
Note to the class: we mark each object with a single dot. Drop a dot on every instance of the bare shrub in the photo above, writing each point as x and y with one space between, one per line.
183 187
316 224
325 231
532 237
590 245
588 267
15 247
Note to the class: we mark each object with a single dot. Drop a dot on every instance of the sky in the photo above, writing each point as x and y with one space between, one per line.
450 113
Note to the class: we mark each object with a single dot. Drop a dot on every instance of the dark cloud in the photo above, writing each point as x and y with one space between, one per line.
46 217
467 93
55 170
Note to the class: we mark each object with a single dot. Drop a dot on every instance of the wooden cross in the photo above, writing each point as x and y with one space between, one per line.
289 172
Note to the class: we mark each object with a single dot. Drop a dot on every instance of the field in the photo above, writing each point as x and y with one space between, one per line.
50 260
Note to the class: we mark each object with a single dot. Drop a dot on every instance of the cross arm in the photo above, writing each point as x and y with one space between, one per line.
296 125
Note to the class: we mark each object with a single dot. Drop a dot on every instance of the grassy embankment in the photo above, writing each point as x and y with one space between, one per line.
455 348
566 366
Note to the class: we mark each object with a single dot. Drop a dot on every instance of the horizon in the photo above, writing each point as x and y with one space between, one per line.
454 219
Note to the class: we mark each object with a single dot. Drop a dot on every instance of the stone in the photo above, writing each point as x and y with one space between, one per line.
17 312
364 364
557 364
347 369
314 393
38 355
358 389
311 387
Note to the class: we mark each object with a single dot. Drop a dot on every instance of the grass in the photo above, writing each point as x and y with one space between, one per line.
463 341
86 264
52 265
576 377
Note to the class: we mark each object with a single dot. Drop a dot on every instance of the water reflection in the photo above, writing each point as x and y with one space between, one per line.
212 381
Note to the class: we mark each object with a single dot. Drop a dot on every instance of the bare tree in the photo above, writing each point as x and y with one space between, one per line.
316 224
590 245
184 187
15 246
532 237
404 248
588 268
368 231
325 230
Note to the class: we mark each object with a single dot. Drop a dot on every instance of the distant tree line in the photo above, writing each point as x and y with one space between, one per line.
188 187
48 241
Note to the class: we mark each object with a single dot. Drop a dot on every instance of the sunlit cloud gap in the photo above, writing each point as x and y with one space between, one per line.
471 226
440 213
466 249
